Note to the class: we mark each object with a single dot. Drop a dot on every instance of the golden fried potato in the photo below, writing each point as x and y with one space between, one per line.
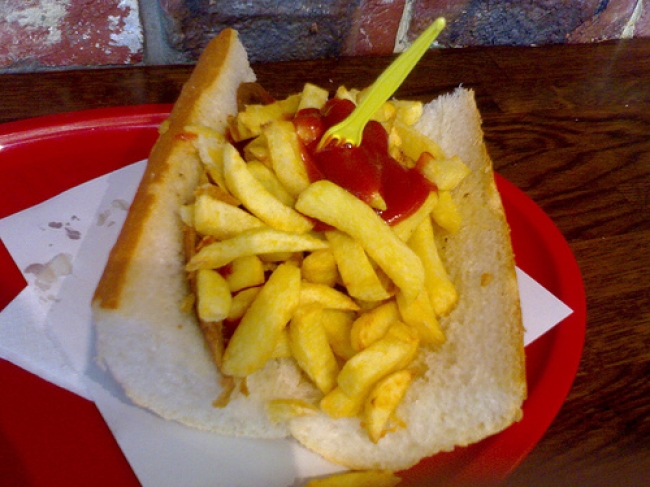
255 338
221 220
241 302
335 206
270 181
282 347
244 272
392 352
254 196
420 315
311 349
445 173
405 228
338 325
249 123
408 111
446 213
366 478
338 404
320 267
213 295
415 143
357 273
442 292
383 400
280 410
286 158
373 325
252 242
209 144
313 96
325 297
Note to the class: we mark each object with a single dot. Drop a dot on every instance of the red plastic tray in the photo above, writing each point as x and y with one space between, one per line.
51 437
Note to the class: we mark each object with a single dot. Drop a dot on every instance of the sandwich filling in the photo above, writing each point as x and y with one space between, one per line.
326 257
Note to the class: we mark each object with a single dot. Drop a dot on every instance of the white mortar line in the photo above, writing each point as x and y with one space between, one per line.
401 40
628 30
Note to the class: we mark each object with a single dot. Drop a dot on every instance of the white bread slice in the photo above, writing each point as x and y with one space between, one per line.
474 386
475 383
152 348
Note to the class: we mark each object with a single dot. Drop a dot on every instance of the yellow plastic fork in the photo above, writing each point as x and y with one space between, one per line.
350 130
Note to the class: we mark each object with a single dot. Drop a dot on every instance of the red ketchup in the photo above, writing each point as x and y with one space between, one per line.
366 170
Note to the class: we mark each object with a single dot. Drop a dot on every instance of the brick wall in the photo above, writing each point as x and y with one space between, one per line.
58 34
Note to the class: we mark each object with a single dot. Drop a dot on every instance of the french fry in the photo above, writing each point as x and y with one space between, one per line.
252 242
217 193
282 347
383 400
343 93
286 159
209 144
312 96
311 349
212 332
442 292
270 181
221 220
408 111
357 273
241 302
325 297
271 259
186 213
249 123
335 206
257 150
290 104
245 187
244 272
366 478
338 325
446 213
373 325
213 296
320 267
338 404
385 112
254 340
445 173
404 228
392 352
420 315
414 143
281 410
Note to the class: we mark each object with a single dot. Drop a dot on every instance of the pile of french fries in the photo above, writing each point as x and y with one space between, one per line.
353 304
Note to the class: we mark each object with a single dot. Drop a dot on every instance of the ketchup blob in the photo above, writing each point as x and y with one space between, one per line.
367 171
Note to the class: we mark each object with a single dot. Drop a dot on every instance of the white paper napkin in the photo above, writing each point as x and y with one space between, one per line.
48 330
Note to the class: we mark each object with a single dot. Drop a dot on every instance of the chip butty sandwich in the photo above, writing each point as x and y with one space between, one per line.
362 300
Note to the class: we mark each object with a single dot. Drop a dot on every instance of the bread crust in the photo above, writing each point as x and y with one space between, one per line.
144 279
195 105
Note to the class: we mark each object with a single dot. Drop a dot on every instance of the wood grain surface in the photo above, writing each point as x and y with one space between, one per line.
569 125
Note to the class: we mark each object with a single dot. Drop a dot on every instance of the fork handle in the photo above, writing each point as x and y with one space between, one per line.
392 78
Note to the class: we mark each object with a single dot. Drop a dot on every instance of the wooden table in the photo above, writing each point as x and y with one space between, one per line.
569 125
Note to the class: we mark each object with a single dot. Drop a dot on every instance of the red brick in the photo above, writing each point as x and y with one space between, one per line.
70 33
271 30
501 22
642 28
424 12
608 24
374 27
